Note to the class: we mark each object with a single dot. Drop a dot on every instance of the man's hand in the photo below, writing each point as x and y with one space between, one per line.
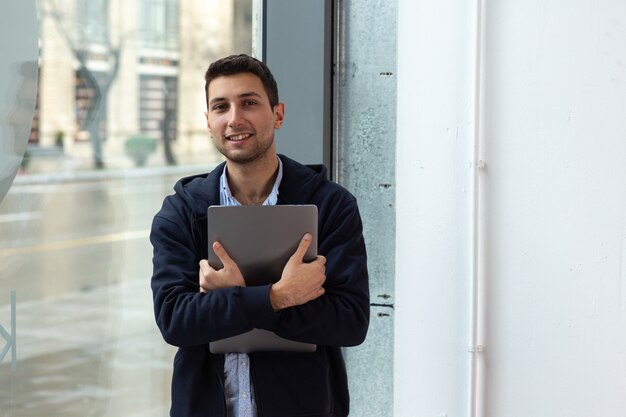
229 276
300 282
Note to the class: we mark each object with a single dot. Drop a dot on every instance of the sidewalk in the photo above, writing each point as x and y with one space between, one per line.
62 168
108 174
93 352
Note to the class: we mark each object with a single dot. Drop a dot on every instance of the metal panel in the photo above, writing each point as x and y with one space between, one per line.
365 97
297 36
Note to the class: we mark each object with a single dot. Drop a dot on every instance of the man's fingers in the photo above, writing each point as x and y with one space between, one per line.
204 267
204 270
221 254
317 293
303 247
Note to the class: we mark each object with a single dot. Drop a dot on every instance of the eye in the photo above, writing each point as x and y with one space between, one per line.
218 107
249 103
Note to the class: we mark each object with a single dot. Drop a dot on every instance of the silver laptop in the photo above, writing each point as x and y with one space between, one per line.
260 239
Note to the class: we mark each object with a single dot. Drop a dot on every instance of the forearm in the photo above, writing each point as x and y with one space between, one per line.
185 316
332 319
188 318
339 317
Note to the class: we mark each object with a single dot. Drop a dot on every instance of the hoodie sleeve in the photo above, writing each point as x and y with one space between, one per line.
340 317
185 316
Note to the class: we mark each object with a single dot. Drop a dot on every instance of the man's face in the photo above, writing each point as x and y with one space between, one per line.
240 118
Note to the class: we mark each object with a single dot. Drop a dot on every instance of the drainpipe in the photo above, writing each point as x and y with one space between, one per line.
476 391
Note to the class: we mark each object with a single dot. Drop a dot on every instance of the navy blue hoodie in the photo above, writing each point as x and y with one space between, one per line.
285 384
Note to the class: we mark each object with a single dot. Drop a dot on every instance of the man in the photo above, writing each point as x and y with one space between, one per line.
325 302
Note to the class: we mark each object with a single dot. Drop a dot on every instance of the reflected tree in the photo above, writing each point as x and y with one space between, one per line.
89 27
168 126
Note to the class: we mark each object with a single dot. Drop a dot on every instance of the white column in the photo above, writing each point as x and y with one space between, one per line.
433 202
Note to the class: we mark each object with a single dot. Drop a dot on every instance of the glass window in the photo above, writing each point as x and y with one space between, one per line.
159 24
119 118
91 25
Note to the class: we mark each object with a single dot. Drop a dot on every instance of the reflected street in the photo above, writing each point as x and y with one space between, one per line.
78 257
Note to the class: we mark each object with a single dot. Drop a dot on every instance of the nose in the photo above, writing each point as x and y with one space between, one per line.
236 117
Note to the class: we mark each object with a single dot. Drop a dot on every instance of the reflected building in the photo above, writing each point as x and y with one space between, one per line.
114 69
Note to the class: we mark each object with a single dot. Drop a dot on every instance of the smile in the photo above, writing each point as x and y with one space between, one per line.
240 137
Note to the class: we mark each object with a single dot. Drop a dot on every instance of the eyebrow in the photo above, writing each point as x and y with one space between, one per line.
242 95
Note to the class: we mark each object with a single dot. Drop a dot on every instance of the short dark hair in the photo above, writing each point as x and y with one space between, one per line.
236 64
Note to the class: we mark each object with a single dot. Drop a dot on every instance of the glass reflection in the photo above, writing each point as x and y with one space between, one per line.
18 85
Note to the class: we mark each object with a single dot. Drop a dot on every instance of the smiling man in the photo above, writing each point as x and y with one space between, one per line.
324 302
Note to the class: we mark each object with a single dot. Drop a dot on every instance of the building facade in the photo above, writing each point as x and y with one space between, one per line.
115 70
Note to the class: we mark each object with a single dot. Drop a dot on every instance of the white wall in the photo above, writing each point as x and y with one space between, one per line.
552 208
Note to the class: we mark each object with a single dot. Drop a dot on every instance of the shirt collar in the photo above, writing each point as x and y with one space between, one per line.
271 199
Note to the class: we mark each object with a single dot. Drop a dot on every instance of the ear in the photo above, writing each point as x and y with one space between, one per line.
279 115
206 114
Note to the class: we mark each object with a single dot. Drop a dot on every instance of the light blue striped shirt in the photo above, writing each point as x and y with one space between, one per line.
238 389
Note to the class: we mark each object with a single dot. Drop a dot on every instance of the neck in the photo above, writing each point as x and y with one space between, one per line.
252 183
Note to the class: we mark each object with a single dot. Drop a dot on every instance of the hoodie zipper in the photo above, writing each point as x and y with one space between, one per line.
196 235
221 379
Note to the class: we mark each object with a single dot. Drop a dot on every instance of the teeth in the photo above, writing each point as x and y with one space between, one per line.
237 138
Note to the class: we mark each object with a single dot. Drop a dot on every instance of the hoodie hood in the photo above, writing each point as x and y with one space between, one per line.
200 191
299 183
